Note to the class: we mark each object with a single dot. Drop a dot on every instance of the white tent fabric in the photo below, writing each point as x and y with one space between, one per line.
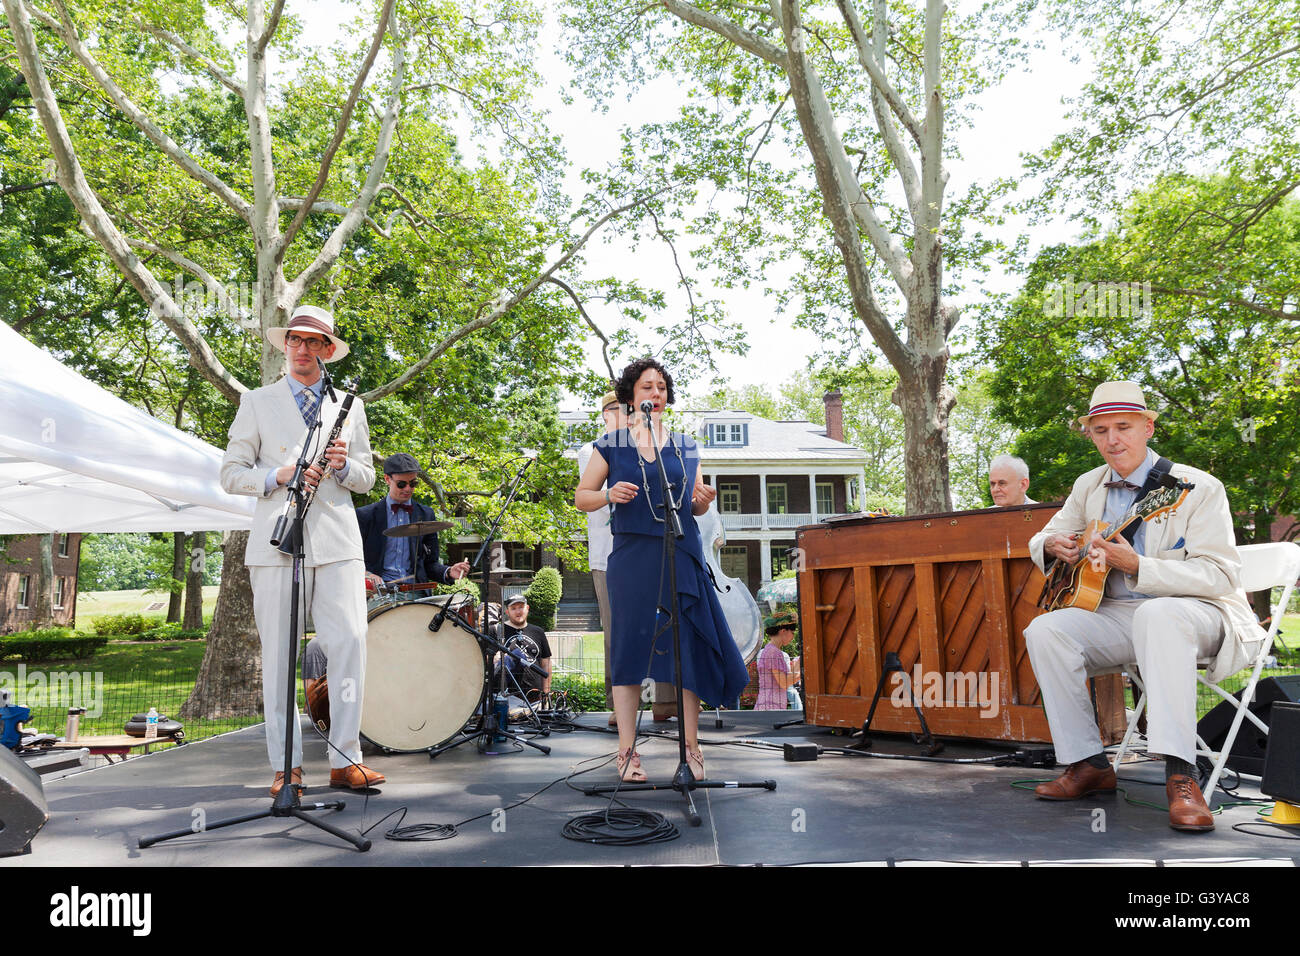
74 458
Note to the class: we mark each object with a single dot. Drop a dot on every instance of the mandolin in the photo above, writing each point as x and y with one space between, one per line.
1083 583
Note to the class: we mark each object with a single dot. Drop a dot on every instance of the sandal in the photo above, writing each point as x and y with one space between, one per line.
629 766
695 759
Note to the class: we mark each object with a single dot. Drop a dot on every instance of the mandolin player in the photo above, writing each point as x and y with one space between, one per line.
1171 596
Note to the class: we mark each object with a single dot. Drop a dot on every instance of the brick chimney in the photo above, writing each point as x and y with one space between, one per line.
834 414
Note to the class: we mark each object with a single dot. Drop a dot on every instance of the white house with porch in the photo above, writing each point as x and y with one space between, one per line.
771 476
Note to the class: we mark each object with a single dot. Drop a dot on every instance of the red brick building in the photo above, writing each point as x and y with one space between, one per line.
20 579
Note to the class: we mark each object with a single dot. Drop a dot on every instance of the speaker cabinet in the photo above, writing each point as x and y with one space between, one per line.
1247 754
22 804
1282 761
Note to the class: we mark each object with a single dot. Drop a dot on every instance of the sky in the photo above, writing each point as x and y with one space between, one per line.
1020 115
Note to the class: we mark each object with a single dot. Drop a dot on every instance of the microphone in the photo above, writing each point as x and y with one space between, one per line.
329 383
646 407
436 623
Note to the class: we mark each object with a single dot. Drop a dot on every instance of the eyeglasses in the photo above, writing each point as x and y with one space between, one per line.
403 484
313 345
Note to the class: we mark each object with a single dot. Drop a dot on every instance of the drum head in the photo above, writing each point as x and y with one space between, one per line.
421 687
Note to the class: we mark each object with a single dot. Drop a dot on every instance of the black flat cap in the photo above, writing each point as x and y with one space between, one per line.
400 464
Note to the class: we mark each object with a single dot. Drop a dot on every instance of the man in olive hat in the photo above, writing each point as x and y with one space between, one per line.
1174 596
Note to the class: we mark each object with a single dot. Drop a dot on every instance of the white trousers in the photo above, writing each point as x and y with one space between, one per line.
1165 636
335 594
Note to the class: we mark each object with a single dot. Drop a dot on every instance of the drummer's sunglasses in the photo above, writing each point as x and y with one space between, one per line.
403 484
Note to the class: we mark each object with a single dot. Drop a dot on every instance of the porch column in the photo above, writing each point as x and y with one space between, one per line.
762 499
812 497
765 557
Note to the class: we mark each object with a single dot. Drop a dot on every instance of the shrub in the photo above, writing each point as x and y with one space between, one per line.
120 625
170 632
463 586
543 597
585 693
49 644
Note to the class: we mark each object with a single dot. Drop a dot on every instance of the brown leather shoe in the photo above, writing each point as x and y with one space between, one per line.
355 777
1079 780
295 777
1187 808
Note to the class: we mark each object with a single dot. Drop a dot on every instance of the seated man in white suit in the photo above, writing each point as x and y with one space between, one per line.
1173 596
265 443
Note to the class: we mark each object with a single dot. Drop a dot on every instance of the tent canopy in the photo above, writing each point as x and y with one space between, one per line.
75 458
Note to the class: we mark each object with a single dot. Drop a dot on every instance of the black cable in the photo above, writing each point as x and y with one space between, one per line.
622 826
1288 827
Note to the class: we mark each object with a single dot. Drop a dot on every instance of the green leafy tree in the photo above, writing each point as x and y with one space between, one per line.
819 136
1190 88
1223 376
223 200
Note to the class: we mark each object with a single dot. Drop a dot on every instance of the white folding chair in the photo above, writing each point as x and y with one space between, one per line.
1263 568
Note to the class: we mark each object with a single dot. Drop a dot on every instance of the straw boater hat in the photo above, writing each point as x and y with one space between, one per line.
308 318
1110 398
610 398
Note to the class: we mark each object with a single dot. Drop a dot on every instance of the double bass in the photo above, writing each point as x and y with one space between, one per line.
738 605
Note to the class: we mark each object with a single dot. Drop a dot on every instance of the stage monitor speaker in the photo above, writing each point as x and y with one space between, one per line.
22 804
1282 761
1247 754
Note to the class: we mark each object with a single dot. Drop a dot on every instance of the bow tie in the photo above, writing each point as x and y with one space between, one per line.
400 507
1123 484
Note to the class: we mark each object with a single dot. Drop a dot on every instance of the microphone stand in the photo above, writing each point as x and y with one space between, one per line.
490 727
683 780
287 803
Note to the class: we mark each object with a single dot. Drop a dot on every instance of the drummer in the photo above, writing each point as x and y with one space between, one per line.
402 559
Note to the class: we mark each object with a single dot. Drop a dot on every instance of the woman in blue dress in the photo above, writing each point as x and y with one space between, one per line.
641 637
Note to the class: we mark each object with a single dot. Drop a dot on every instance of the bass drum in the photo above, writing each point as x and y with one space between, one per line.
421 687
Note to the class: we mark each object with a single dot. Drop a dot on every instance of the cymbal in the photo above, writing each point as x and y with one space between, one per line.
511 572
417 528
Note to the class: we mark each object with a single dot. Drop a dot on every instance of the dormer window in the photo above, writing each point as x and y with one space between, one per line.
729 434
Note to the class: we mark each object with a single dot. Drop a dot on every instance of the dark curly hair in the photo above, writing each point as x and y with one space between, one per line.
627 381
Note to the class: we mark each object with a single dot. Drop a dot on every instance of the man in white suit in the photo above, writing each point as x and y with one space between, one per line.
265 443
1173 596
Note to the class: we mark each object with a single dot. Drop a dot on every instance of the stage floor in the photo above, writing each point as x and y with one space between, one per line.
837 809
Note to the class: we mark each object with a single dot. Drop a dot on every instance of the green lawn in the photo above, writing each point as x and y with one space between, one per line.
118 682
92 604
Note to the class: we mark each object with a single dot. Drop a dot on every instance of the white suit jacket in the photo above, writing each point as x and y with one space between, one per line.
267 433
1191 553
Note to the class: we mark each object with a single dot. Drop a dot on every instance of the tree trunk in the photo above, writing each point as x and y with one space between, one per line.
229 682
925 403
43 609
193 620
176 594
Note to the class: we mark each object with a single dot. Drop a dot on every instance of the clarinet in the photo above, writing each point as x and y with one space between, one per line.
279 538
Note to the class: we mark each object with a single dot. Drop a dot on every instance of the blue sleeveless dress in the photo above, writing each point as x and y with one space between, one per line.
640 637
